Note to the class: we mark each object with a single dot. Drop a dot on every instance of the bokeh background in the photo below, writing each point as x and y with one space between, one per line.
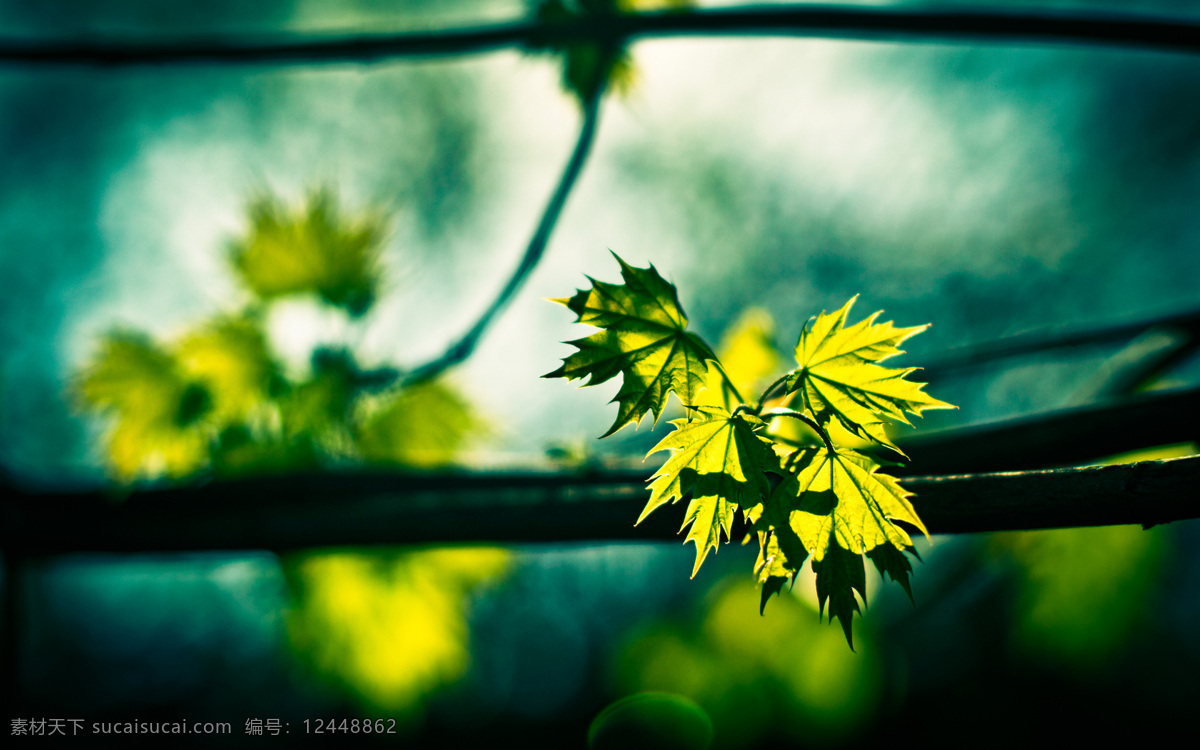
991 189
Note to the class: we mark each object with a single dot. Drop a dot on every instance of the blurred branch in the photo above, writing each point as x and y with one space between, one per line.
1060 438
840 22
297 512
462 348
1141 361
1035 342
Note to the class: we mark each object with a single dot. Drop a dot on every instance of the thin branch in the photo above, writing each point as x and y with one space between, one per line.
770 391
812 423
839 22
294 512
1036 342
462 348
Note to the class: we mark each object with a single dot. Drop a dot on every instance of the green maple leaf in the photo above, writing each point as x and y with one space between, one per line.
891 562
720 459
840 496
774 568
643 338
839 574
839 378
837 507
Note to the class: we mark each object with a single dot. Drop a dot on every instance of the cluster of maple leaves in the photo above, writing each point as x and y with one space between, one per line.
800 497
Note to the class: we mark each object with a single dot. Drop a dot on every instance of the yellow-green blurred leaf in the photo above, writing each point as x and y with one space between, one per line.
390 627
748 353
747 360
230 357
424 425
314 250
157 412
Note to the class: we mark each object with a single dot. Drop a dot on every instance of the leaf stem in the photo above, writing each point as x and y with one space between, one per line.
770 390
728 382
806 420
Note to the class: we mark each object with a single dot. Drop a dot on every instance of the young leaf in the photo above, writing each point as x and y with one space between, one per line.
839 496
720 460
839 377
774 567
230 356
643 339
892 562
748 358
839 575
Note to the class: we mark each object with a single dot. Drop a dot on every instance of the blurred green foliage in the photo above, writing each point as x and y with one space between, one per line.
651 721
785 674
217 398
311 250
1083 593
387 626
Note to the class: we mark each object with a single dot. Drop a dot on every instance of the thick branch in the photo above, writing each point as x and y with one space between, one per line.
288 513
1063 438
888 24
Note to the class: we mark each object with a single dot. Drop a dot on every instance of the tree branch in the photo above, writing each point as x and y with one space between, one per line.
839 22
1035 342
462 348
300 512
1061 438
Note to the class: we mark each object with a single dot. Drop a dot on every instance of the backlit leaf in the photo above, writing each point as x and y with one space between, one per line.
748 357
230 356
643 339
839 378
893 563
800 485
720 460
839 574
840 497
